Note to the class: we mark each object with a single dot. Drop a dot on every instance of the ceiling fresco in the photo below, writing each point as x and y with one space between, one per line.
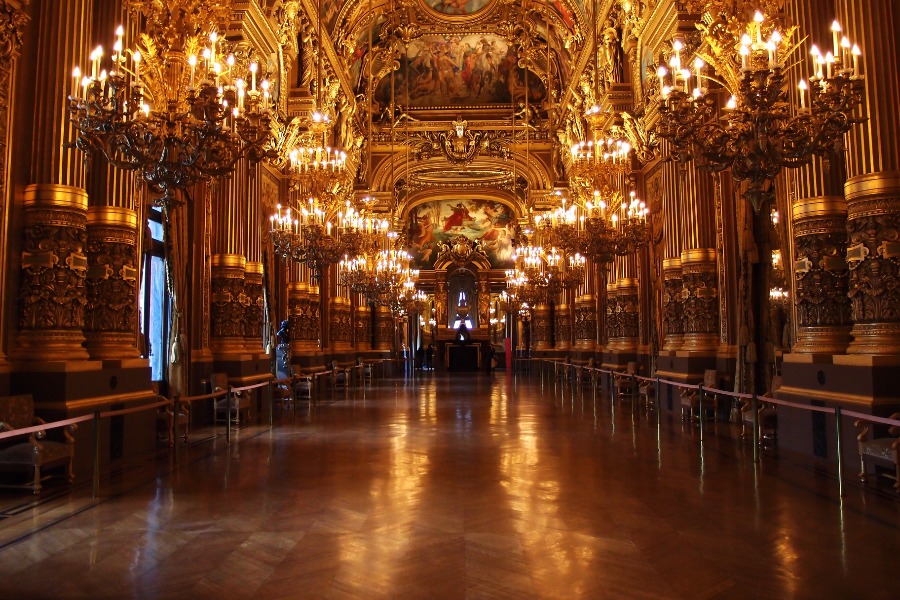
453 70
434 223
458 7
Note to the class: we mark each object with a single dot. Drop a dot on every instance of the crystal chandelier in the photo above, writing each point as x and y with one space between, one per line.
761 130
180 107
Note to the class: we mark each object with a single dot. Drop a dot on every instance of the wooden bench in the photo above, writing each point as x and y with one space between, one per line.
34 453
626 384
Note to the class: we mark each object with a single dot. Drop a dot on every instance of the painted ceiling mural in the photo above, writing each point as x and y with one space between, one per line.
459 70
436 222
457 7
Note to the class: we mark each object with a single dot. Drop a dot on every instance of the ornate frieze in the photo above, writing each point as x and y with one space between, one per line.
52 293
341 327
821 275
111 312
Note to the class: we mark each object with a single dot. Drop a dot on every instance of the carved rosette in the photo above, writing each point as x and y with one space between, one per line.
627 316
562 327
821 275
673 325
873 255
700 302
110 323
586 322
254 306
540 327
52 293
341 326
384 330
228 303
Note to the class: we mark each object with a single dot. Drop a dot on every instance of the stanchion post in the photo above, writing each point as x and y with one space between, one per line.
269 394
176 412
700 393
657 399
754 406
229 399
838 428
95 488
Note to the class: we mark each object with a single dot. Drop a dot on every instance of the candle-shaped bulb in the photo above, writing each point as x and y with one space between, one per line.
120 31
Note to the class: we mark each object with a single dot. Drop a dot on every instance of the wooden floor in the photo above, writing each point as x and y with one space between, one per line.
470 486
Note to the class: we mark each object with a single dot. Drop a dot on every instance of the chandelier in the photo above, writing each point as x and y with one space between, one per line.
595 231
543 273
179 108
310 237
761 130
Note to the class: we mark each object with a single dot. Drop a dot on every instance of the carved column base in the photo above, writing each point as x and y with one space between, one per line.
673 325
363 327
875 338
700 305
820 275
562 327
227 305
540 327
52 294
625 337
339 318
111 316
253 310
384 328
822 340
873 254
586 322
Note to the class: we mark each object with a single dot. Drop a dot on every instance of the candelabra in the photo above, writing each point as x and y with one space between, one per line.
759 131
171 114
310 237
595 231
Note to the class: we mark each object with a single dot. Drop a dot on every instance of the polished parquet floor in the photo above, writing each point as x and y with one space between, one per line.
464 486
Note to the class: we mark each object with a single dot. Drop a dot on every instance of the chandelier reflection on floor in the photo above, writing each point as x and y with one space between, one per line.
174 113
761 130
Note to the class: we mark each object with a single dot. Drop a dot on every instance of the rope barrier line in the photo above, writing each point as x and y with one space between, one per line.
136 409
44 426
738 395
219 394
249 387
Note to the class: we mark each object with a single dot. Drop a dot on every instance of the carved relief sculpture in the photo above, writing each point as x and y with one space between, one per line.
228 302
700 304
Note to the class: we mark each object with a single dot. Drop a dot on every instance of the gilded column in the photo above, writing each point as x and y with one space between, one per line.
873 185
111 325
253 307
52 294
562 327
700 314
820 276
673 324
12 24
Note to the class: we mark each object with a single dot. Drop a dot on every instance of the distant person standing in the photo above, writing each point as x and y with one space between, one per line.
429 357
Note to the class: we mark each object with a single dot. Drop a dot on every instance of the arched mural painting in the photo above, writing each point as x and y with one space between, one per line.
432 223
